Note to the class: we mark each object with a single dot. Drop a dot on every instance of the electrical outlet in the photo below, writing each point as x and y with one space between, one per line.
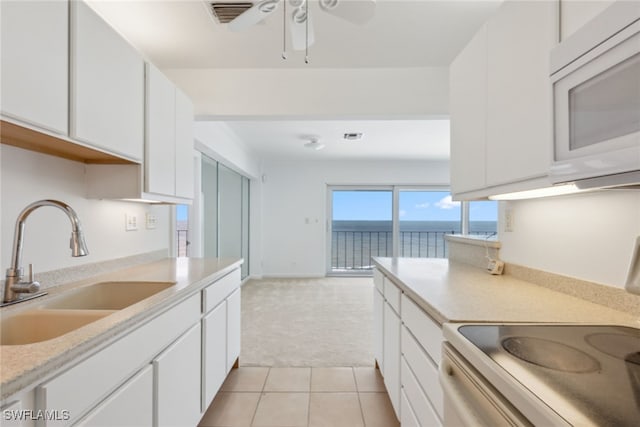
131 222
151 221
508 220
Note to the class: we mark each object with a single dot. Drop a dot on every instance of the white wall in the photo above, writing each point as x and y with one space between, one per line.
28 176
295 191
588 236
317 92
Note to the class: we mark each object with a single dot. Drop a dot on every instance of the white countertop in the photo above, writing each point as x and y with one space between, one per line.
23 366
456 292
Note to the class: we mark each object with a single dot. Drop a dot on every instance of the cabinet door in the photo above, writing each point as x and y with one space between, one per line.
160 124
378 328
184 146
468 107
233 329
34 66
107 86
130 405
177 384
392 356
214 364
519 133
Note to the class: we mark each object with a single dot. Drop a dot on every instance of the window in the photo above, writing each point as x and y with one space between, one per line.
395 221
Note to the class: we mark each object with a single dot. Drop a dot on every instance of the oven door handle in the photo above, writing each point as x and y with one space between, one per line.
473 401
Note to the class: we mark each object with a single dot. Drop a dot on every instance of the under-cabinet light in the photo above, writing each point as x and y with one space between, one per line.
556 190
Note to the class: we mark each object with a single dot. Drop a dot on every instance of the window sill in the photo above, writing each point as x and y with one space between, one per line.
473 240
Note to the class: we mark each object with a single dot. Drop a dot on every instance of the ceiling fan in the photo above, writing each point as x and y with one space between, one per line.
296 14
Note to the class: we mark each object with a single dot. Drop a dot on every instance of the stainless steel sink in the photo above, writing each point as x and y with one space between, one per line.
73 309
107 295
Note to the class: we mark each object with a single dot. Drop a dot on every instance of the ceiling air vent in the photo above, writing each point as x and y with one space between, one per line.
353 136
226 12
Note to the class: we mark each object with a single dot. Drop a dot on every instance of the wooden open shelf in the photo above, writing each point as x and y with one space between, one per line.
29 139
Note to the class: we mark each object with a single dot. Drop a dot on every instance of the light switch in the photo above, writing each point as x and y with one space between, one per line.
151 221
131 222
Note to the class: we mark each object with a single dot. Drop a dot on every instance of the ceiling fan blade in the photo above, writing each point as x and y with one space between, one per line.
354 11
298 27
255 14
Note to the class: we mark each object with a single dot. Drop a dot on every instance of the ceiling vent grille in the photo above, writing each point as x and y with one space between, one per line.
226 12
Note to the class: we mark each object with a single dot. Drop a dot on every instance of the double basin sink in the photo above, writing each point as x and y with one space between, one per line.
73 309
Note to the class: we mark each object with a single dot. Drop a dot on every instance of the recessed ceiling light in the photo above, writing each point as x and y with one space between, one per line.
314 144
353 136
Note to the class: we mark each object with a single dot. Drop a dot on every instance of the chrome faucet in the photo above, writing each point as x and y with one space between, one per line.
15 285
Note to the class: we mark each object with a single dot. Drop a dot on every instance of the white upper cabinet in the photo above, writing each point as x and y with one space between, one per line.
169 137
35 58
107 86
160 132
519 132
501 116
468 105
184 146
575 13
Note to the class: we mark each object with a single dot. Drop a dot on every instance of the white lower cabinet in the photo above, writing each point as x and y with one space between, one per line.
164 372
130 405
177 381
378 328
214 335
407 347
408 418
392 356
220 333
233 328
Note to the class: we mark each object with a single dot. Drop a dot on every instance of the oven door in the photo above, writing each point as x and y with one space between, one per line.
469 400
597 111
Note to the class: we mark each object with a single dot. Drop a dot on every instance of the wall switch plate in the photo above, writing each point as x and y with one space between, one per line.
131 222
151 221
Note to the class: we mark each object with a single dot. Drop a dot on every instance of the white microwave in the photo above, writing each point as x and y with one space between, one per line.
596 101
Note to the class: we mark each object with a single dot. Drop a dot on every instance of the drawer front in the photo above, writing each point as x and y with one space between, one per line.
392 294
426 331
219 290
130 405
378 280
425 414
408 418
426 372
102 372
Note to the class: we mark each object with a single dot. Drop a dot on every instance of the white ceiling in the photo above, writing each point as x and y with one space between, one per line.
403 34
382 139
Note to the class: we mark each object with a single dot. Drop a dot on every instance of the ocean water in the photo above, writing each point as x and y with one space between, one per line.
355 242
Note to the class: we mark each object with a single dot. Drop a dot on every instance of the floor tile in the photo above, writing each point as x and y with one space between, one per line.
246 379
288 380
282 410
335 410
231 410
377 410
332 379
369 379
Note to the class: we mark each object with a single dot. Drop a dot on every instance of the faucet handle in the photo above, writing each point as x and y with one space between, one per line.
30 272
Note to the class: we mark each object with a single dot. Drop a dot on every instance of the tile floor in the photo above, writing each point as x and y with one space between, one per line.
301 397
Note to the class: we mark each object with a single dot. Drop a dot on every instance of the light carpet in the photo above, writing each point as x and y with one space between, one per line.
307 322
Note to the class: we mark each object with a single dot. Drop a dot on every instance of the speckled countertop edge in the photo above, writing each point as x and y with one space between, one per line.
24 366
456 292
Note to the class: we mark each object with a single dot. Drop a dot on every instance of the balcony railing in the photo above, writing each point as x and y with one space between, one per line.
352 250
183 243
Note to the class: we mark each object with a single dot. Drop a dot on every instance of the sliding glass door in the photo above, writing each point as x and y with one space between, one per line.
361 227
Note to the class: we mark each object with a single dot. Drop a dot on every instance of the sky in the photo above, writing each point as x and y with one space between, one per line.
414 206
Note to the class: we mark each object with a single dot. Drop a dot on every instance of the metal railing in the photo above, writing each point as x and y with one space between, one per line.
351 250
183 243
